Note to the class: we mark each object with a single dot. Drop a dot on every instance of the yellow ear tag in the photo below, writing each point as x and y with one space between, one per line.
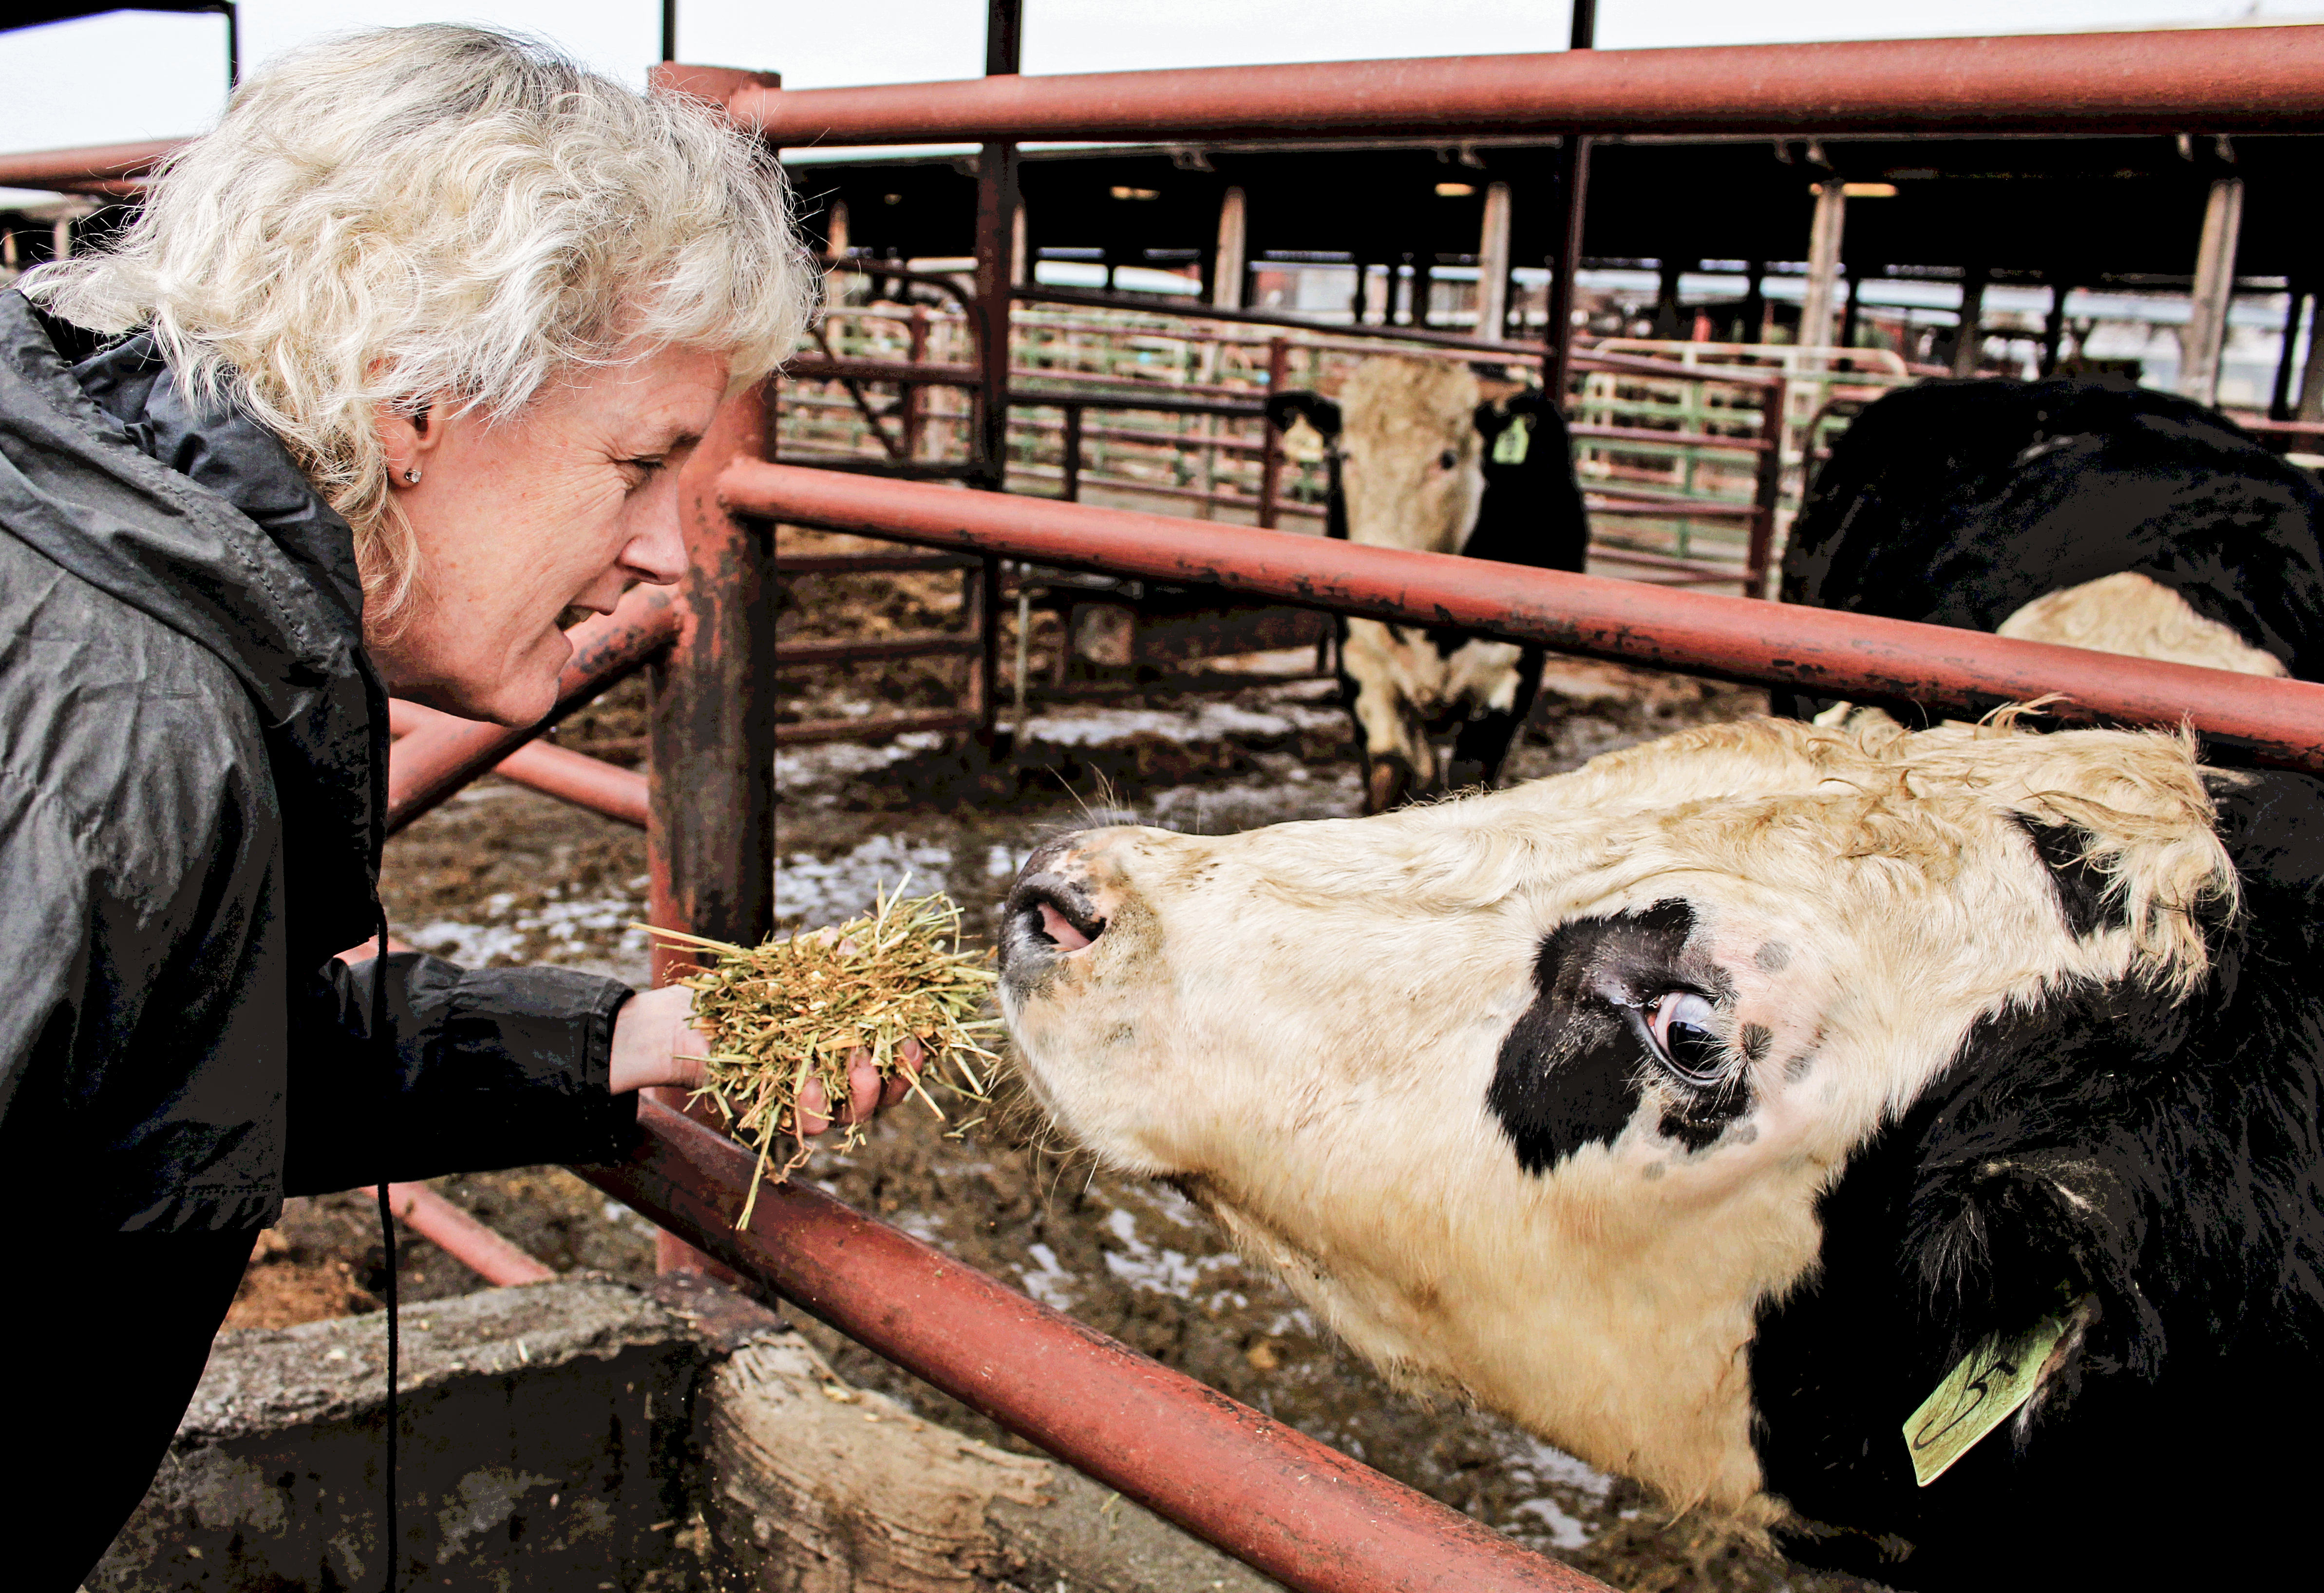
1516 437
1976 1397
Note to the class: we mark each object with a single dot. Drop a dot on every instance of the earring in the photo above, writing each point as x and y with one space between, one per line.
411 477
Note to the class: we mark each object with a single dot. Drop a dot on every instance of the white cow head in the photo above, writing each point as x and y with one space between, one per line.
1532 1095
1409 454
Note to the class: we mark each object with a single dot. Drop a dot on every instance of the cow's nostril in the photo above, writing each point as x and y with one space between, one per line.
1058 928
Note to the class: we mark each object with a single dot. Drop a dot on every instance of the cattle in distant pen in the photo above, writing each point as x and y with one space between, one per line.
1421 457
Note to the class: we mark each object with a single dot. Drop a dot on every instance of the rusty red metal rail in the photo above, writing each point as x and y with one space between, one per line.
1266 1494
1821 651
488 1254
103 166
2266 80
601 788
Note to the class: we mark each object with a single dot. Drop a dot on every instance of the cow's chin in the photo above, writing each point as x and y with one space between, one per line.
1064 1064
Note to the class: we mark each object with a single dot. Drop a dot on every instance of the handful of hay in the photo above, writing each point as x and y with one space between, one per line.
792 1011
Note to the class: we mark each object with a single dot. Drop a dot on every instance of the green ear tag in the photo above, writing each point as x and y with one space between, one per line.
1976 1397
1516 437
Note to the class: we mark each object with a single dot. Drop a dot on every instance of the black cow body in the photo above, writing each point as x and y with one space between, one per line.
1959 502
1528 512
2157 1162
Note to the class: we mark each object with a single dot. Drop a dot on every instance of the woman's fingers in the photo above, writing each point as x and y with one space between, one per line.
866 1092
910 1058
863 1087
814 1110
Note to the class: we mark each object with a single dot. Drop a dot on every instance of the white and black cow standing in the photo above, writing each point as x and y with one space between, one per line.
2089 512
1420 458
1704 1107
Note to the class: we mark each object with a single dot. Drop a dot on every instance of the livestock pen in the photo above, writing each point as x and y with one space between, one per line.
1308 1517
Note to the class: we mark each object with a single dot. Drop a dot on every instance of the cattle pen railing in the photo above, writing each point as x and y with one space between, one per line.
1313 1520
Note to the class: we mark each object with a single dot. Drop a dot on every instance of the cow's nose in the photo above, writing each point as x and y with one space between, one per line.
1050 904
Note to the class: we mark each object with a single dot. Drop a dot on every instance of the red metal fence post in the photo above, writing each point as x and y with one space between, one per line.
710 842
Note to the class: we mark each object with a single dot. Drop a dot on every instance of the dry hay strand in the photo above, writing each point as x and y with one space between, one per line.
791 1011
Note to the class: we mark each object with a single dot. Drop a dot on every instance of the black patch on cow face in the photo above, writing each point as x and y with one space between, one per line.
2080 884
1318 412
1573 1069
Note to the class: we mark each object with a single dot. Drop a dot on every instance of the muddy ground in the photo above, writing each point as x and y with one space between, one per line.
503 876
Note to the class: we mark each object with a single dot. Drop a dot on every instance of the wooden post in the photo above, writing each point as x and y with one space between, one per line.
1493 262
1271 458
2311 374
1072 493
915 396
1819 313
2206 337
1766 495
1968 341
2053 325
1233 260
2278 403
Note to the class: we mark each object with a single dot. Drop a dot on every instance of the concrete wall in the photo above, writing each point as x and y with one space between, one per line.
582 1434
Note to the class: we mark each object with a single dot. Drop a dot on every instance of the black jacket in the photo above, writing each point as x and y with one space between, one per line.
193 753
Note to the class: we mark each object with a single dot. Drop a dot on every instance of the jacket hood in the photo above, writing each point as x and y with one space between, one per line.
201 520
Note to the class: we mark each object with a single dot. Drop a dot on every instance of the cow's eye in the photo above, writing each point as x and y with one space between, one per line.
1679 1023
1447 459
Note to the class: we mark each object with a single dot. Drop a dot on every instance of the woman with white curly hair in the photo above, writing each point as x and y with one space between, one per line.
395 367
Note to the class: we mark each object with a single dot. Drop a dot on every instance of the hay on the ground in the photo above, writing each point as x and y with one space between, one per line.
793 1010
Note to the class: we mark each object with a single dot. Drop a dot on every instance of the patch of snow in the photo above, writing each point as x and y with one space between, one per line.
1566 1531
922 1226
1211 722
810 892
468 944
1047 1280
1141 1265
850 757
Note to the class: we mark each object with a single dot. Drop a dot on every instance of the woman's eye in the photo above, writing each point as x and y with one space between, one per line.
1681 1024
1447 459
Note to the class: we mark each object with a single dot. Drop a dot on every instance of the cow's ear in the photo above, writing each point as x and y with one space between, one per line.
1322 413
2000 1242
2086 896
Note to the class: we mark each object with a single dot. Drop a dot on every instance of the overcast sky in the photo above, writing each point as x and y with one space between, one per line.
130 76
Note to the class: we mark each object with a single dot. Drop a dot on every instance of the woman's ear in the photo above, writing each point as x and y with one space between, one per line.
409 437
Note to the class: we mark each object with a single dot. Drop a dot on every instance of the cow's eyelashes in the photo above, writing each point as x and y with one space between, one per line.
1680 1024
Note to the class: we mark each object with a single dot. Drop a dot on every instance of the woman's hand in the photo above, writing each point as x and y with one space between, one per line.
655 1044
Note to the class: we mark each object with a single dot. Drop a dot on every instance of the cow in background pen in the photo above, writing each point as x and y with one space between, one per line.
1421 457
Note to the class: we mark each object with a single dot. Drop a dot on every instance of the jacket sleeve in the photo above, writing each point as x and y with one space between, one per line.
482 1069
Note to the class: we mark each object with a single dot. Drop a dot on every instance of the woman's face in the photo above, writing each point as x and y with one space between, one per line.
564 505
